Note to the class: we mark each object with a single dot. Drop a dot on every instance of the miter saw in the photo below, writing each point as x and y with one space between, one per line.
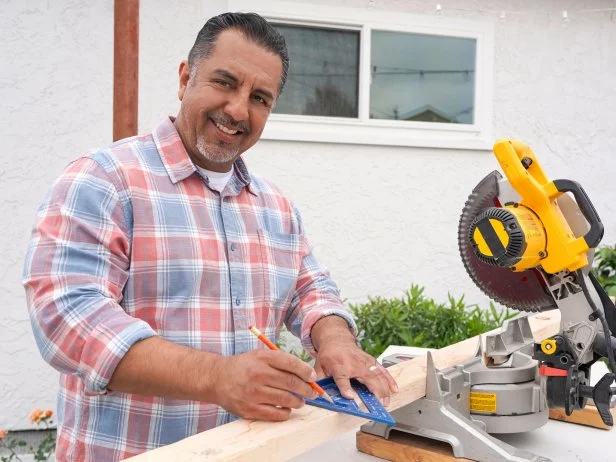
528 243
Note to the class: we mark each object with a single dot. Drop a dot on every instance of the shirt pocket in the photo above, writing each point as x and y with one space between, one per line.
281 255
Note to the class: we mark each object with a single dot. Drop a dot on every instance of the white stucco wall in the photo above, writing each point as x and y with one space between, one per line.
56 93
380 217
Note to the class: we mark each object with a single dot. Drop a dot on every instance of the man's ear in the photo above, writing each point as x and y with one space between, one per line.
184 73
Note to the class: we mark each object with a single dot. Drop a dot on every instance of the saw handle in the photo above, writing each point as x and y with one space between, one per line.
595 233
601 394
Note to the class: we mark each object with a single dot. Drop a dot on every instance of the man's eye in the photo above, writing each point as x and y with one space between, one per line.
222 83
260 99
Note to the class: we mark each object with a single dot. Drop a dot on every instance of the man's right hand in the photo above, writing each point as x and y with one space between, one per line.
254 385
260 384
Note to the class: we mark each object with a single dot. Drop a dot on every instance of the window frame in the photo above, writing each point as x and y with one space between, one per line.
363 130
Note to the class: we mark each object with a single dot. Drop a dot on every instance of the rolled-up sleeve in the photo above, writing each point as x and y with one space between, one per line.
316 296
75 270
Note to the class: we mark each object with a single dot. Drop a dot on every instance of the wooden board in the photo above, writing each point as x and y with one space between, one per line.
405 448
248 440
588 416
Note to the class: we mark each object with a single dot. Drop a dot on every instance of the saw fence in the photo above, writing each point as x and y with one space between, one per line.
308 427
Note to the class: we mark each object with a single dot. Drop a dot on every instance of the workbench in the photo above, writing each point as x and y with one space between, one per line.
560 441
313 434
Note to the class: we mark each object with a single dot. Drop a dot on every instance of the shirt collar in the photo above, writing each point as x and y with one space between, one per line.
178 163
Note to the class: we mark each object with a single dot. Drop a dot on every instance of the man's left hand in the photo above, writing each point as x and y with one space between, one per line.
339 357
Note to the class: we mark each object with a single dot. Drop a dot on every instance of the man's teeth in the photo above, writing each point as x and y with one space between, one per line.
225 129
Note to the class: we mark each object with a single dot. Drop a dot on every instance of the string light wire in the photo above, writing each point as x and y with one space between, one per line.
502 14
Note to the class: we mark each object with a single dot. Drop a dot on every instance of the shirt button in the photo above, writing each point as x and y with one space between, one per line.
238 302
233 247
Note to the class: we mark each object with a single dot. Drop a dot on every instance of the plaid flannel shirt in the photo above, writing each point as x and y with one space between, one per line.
131 242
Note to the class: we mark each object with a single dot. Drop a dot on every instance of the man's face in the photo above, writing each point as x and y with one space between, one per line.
226 102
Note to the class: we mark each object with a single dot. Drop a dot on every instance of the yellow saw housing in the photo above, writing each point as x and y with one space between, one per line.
511 236
533 231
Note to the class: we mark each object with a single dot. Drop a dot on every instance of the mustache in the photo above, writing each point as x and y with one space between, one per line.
230 122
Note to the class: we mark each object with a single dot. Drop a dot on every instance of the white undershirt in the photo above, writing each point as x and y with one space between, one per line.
216 180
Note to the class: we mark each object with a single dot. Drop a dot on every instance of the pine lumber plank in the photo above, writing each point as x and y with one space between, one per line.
588 416
406 448
248 440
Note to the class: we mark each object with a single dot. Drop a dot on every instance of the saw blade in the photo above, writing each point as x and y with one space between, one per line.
524 290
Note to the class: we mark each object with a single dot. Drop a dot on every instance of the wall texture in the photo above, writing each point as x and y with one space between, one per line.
56 93
380 217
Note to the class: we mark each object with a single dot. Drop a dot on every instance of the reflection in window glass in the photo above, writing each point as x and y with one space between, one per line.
323 72
422 77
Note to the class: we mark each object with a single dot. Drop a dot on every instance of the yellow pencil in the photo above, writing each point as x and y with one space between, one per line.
315 386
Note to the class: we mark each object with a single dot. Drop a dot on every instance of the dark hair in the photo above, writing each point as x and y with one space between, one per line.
253 26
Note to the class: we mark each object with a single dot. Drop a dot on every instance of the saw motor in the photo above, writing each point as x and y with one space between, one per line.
533 231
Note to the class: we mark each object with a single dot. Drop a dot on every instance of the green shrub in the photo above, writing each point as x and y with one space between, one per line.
302 354
604 266
420 321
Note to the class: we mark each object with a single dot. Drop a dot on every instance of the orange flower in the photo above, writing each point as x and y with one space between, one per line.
36 415
48 413
3 434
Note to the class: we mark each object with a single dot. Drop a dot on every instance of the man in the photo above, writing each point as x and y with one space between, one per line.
152 257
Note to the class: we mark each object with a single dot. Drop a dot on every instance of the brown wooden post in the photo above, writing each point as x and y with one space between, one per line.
125 68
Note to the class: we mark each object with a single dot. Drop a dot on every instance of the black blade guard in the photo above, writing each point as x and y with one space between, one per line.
524 290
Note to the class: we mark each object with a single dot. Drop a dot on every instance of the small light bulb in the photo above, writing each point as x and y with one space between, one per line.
439 8
565 16
502 16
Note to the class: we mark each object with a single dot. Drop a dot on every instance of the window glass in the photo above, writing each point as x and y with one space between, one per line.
420 77
323 72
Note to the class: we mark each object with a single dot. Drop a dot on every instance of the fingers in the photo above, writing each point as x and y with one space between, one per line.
378 380
344 385
281 398
288 363
267 412
377 383
351 362
282 371
265 385
393 386
291 383
319 370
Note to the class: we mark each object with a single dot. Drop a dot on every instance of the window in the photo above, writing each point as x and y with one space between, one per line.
367 76
323 72
425 78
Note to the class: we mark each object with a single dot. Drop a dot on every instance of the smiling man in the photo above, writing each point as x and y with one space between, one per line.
151 258
228 90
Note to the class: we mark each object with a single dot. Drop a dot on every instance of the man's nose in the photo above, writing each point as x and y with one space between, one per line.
237 106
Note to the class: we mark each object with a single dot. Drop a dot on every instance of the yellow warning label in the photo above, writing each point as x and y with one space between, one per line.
483 402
